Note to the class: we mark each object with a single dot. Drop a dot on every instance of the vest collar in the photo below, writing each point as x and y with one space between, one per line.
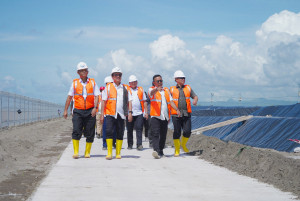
87 80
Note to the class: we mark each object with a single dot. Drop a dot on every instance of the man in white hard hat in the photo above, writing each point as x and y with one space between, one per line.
161 103
116 104
139 111
84 92
181 94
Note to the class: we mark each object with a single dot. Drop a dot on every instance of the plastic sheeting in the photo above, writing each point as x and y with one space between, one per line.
279 111
222 111
273 133
264 132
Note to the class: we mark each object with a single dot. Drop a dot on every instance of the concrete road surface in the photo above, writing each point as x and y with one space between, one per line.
140 177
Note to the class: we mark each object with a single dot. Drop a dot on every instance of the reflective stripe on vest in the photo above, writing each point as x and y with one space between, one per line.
80 102
175 94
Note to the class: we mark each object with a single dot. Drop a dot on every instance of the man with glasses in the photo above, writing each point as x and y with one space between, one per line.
160 106
116 105
181 94
84 92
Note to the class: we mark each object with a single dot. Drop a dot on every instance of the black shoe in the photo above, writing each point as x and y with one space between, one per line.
129 147
161 154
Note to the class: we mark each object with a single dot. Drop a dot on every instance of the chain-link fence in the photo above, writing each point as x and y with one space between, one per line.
17 110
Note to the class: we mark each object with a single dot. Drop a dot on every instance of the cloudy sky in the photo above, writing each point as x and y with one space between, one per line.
233 48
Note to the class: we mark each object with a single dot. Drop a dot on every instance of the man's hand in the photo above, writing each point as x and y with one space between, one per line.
195 102
159 88
178 113
101 118
94 111
66 114
129 117
146 116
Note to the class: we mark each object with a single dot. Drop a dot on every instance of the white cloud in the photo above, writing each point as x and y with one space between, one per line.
229 68
283 27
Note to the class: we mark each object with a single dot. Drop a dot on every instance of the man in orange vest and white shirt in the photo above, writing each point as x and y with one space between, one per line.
116 105
85 93
160 106
139 110
181 94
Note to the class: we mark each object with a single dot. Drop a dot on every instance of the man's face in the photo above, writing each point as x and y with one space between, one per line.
180 80
83 73
133 84
117 77
158 82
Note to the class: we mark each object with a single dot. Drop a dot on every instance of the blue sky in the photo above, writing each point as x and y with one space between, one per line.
231 48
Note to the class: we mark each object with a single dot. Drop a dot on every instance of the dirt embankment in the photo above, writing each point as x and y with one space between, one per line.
27 153
280 169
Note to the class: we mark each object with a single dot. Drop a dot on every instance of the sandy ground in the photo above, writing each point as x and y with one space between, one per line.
28 152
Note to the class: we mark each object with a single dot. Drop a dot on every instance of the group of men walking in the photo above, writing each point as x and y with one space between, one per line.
118 103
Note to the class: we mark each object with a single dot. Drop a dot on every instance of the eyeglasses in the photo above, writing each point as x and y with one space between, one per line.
158 81
117 74
182 78
83 70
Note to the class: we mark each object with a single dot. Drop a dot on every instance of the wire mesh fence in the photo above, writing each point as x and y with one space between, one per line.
18 110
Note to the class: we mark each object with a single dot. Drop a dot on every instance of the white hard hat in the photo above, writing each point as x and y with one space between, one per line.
116 70
108 79
178 73
81 66
132 78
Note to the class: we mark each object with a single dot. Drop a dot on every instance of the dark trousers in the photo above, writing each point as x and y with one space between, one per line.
83 122
104 134
147 127
183 123
111 124
159 130
137 122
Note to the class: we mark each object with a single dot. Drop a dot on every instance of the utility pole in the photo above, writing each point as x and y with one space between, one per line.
211 98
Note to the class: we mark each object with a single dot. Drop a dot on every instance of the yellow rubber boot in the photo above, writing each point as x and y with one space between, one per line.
118 148
76 148
177 147
109 143
183 143
88 147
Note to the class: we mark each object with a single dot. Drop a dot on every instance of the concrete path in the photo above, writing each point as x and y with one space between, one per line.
138 176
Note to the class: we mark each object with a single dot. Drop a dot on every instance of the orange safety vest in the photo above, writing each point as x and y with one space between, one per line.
111 103
140 94
79 101
99 101
156 101
175 94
